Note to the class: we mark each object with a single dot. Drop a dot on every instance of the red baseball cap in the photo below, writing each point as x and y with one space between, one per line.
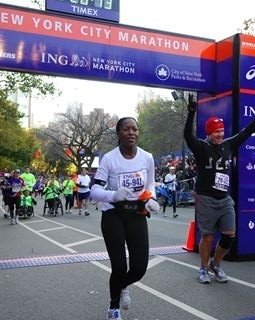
212 124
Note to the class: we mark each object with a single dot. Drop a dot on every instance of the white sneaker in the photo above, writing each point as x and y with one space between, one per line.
125 299
16 219
219 273
12 221
113 314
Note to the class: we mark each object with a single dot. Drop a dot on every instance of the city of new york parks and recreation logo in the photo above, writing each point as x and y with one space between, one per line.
162 72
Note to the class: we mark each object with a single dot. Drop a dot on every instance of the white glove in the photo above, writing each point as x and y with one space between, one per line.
152 206
122 194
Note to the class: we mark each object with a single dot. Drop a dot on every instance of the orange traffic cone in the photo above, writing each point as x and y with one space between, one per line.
190 242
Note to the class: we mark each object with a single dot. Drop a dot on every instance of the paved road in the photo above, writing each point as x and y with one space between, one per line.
57 268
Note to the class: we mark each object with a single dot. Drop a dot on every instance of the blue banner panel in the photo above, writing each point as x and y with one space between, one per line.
214 106
246 178
40 43
95 9
246 159
247 63
247 73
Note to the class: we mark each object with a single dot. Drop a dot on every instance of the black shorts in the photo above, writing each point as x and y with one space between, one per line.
83 195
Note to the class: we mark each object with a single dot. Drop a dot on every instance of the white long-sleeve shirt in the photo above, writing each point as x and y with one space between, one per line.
136 174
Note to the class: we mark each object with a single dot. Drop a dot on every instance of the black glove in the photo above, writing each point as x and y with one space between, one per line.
192 105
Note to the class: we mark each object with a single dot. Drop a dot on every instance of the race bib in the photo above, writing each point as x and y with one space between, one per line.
16 189
221 181
133 181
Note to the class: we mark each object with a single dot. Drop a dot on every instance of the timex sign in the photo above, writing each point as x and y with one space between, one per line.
98 9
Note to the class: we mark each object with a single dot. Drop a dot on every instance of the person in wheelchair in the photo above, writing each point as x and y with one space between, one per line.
52 192
27 203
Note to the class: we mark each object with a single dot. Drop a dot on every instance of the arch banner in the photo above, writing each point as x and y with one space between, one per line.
45 43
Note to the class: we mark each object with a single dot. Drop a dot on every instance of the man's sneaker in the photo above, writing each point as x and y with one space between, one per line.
12 221
16 220
113 314
125 299
220 275
86 213
203 276
79 212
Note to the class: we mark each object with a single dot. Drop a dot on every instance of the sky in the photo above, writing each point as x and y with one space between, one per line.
215 20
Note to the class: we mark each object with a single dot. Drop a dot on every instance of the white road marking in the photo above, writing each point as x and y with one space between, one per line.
32 221
96 237
73 244
163 296
244 283
75 229
48 239
50 229
155 261
175 302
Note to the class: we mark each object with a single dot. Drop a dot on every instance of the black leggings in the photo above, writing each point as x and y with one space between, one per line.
69 201
14 204
119 228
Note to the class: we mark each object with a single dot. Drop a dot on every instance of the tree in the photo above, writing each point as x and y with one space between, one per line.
27 83
76 138
161 120
248 27
16 144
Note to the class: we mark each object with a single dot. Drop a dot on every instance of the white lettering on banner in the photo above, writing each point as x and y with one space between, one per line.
187 75
249 111
84 11
128 64
153 41
95 32
75 60
113 65
248 44
7 55
248 147
115 68
11 18
56 59
52 25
